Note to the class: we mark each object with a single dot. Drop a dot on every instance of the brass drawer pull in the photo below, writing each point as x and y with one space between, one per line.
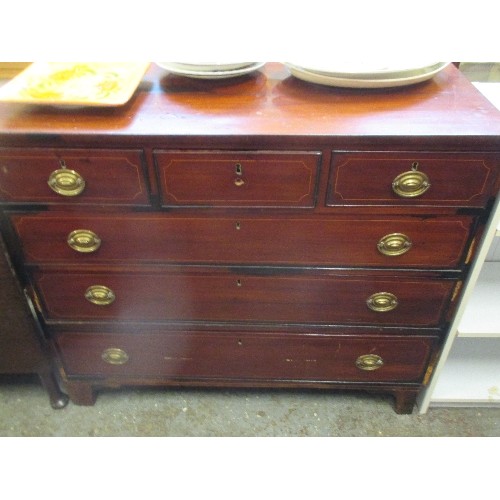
84 241
382 302
394 244
369 362
114 356
411 184
100 295
239 182
66 182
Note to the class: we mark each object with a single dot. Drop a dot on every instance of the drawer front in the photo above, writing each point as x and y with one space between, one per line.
341 241
219 178
419 178
73 176
246 357
218 296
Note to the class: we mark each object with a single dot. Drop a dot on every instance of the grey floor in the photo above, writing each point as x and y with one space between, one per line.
25 410
158 412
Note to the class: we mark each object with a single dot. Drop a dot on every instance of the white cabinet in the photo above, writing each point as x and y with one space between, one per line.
468 373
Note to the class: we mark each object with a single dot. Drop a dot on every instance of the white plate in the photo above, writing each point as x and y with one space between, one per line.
388 72
210 66
210 75
334 81
364 69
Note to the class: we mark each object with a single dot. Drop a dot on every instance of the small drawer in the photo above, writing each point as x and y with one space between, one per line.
73 176
412 178
246 356
221 295
238 179
406 242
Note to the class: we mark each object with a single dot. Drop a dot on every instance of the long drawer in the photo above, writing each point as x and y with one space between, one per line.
73 176
421 242
216 295
412 178
238 178
267 356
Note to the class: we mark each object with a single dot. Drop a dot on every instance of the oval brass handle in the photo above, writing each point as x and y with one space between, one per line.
369 362
114 356
83 240
394 244
411 184
382 302
239 182
66 182
100 295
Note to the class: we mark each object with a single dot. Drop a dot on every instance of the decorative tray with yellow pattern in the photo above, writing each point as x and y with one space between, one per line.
75 84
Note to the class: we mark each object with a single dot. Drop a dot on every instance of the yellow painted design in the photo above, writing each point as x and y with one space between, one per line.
78 83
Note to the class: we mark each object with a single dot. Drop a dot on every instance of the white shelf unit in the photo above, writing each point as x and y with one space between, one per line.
482 316
471 376
468 372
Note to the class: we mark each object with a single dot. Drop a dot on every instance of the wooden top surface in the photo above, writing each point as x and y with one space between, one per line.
269 102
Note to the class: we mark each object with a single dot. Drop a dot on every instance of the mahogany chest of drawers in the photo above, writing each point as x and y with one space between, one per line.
252 232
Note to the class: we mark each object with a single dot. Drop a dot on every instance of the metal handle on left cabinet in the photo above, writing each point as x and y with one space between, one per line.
411 184
83 241
394 244
369 362
114 356
100 295
66 182
382 302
